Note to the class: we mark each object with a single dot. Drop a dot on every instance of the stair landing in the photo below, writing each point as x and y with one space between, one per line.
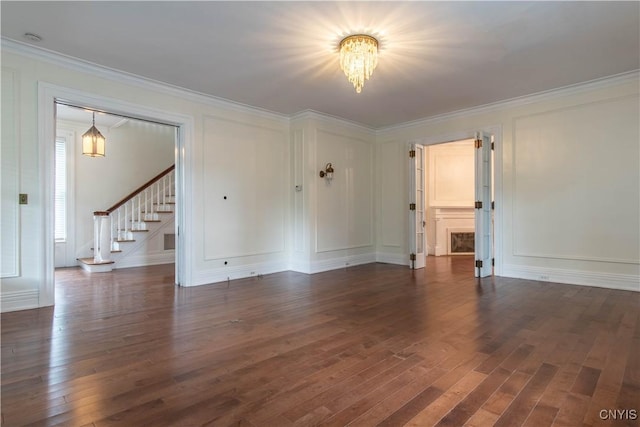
91 266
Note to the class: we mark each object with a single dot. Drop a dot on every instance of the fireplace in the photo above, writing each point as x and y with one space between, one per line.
461 241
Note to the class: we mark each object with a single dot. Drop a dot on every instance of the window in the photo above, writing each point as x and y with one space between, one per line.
61 190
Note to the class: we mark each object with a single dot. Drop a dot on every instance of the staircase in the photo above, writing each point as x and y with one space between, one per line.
128 227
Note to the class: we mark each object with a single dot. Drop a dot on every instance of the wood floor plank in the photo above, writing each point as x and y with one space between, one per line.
375 344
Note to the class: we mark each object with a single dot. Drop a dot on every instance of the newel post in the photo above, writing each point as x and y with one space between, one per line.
101 237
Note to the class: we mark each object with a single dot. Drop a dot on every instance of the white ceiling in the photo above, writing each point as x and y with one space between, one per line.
435 57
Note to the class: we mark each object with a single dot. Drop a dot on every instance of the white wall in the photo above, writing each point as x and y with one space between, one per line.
567 201
333 224
567 208
250 144
135 152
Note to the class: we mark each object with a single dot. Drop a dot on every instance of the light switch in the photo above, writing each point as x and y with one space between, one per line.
24 199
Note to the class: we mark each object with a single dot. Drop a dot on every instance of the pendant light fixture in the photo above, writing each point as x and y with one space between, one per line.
92 141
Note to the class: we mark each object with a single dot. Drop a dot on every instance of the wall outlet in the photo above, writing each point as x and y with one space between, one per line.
543 277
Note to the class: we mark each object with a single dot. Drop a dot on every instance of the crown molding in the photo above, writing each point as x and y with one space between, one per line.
80 65
328 118
547 95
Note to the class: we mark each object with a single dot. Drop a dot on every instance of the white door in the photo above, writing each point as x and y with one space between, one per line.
483 212
416 207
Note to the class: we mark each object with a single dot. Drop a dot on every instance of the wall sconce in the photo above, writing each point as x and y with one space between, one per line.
327 172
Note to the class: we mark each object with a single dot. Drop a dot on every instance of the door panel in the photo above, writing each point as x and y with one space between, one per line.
417 215
483 211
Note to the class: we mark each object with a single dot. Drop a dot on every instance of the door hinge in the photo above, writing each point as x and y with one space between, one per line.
478 205
493 145
493 261
412 257
412 206
478 263
412 153
478 143
493 205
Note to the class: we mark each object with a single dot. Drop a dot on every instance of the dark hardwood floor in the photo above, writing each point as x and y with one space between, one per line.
369 345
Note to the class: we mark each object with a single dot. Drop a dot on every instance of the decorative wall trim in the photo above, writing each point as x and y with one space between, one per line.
576 258
391 258
627 282
331 120
222 274
79 65
519 101
11 247
19 300
341 262
141 260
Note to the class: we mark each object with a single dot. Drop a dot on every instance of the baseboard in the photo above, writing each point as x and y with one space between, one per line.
391 258
341 262
626 282
19 300
300 266
216 275
143 260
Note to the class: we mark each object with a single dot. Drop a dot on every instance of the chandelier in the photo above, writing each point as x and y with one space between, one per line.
358 58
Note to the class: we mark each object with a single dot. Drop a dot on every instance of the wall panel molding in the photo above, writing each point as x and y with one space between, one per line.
10 214
568 166
19 300
625 282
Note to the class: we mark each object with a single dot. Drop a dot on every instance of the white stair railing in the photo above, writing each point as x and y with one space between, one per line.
118 224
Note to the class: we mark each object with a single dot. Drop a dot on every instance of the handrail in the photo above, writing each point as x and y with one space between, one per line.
141 188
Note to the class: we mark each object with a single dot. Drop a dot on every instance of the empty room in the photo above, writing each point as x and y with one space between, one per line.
320 213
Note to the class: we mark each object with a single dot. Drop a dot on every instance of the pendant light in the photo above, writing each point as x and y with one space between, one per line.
93 143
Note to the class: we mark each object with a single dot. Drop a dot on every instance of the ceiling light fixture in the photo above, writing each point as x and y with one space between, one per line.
358 58
93 141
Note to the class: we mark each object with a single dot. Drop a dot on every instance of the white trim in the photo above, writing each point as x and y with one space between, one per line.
18 300
627 282
47 94
141 260
548 95
76 64
222 274
393 258
80 65
341 262
331 120
12 269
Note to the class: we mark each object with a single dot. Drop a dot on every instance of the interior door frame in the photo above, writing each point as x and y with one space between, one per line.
48 94
496 131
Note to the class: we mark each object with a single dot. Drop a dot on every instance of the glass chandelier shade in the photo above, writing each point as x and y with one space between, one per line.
358 58
93 143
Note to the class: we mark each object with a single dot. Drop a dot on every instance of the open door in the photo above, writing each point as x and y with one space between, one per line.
483 211
416 207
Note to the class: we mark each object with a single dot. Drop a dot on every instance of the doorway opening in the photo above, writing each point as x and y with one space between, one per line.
452 200
136 151
48 96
